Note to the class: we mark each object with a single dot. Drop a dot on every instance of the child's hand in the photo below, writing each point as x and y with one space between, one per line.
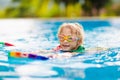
62 55
44 51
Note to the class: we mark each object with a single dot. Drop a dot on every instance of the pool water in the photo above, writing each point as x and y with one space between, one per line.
34 34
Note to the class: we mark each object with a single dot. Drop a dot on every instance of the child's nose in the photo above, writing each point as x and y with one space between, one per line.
65 41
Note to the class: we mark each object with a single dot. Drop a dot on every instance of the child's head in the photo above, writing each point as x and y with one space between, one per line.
71 35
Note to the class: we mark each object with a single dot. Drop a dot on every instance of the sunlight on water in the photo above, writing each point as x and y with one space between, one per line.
14 29
104 37
35 70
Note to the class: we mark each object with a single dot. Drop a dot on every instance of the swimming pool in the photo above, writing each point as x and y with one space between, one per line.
33 34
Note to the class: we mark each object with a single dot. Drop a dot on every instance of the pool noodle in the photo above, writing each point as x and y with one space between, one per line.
16 54
26 55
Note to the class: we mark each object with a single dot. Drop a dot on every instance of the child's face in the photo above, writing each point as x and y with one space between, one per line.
68 41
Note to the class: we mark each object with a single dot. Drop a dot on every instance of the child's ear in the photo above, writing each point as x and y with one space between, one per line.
79 42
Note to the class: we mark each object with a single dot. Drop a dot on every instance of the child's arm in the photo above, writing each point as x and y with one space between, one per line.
61 55
96 49
54 54
45 51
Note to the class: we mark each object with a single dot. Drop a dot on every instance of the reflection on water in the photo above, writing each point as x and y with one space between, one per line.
31 34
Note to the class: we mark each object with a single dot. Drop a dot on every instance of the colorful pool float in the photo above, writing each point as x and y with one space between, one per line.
16 54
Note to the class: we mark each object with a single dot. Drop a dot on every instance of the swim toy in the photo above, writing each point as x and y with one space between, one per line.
16 54
5 44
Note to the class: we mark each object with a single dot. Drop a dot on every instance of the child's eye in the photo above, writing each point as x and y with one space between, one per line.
70 39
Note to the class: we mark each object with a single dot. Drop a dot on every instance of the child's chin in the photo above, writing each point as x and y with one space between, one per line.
66 49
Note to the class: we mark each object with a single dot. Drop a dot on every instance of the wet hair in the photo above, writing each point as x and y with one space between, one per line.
76 28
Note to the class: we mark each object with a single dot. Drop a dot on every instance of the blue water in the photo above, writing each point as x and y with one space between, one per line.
34 34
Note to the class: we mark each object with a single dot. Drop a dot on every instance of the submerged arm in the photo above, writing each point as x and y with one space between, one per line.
96 49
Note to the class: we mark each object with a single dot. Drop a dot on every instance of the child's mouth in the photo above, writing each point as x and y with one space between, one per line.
66 45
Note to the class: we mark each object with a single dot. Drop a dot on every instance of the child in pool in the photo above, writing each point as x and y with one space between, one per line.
71 38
